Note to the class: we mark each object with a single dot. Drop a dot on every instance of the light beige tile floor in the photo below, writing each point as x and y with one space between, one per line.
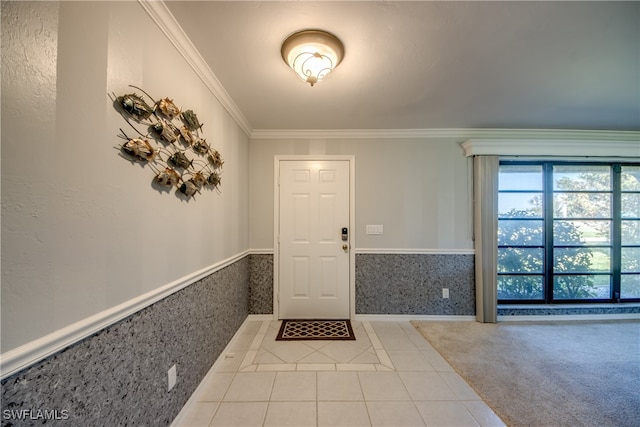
389 376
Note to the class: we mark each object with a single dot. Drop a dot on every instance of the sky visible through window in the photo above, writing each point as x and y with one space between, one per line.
520 179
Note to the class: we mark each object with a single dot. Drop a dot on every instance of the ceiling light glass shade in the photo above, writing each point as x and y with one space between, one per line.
312 54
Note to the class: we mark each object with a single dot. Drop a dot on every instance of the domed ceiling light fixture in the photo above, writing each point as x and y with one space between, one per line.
312 54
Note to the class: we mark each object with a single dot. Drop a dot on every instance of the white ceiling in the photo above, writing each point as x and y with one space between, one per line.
429 65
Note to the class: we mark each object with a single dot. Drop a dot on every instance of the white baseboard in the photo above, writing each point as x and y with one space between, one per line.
260 317
381 317
194 396
409 317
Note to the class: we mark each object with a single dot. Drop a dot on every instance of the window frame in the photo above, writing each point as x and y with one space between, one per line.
548 220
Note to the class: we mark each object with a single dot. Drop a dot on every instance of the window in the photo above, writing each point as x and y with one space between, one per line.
630 232
568 232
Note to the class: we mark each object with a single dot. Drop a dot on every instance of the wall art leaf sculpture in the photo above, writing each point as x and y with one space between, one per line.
170 144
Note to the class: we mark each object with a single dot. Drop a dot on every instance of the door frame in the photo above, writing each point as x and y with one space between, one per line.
276 223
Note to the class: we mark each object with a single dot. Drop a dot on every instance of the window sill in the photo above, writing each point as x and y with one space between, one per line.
567 311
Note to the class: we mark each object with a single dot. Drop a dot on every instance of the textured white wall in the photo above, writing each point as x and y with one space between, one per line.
418 189
83 230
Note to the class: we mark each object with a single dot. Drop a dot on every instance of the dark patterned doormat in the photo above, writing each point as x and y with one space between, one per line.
306 329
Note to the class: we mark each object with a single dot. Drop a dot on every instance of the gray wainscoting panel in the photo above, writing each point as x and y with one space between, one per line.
118 376
261 284
413 283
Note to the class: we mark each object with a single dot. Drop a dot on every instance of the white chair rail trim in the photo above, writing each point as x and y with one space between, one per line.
412 251
382 251
26 355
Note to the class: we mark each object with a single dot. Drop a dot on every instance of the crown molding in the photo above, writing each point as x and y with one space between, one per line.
553 147
461 134
167 23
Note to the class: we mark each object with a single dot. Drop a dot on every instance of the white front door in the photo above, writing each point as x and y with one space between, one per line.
313 257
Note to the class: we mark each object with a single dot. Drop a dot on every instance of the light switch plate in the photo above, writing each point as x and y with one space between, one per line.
374 229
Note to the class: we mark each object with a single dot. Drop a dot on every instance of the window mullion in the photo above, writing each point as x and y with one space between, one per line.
548 231
616 249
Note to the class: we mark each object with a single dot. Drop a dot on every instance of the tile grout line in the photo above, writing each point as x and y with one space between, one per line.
273 386
449 381
384 365
382 354
235 374
366 405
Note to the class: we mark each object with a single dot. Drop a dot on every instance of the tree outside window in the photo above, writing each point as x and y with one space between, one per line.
578 208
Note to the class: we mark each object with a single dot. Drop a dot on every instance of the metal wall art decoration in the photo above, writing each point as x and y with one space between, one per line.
171 144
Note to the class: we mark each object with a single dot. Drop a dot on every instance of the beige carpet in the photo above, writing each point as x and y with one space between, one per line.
548 373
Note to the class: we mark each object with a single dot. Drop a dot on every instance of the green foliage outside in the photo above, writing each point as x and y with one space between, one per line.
584 235
525 260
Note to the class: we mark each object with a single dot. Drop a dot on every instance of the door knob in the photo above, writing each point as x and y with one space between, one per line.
345 247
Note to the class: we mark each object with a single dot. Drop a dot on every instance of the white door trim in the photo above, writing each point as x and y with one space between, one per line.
276 224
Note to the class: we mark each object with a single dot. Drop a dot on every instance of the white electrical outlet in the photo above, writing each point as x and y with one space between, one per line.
445 292
172 375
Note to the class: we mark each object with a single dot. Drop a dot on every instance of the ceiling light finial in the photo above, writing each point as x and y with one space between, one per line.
312 54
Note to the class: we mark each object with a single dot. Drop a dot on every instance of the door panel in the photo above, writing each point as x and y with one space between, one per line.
313 266
301 232
301 275
328 281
